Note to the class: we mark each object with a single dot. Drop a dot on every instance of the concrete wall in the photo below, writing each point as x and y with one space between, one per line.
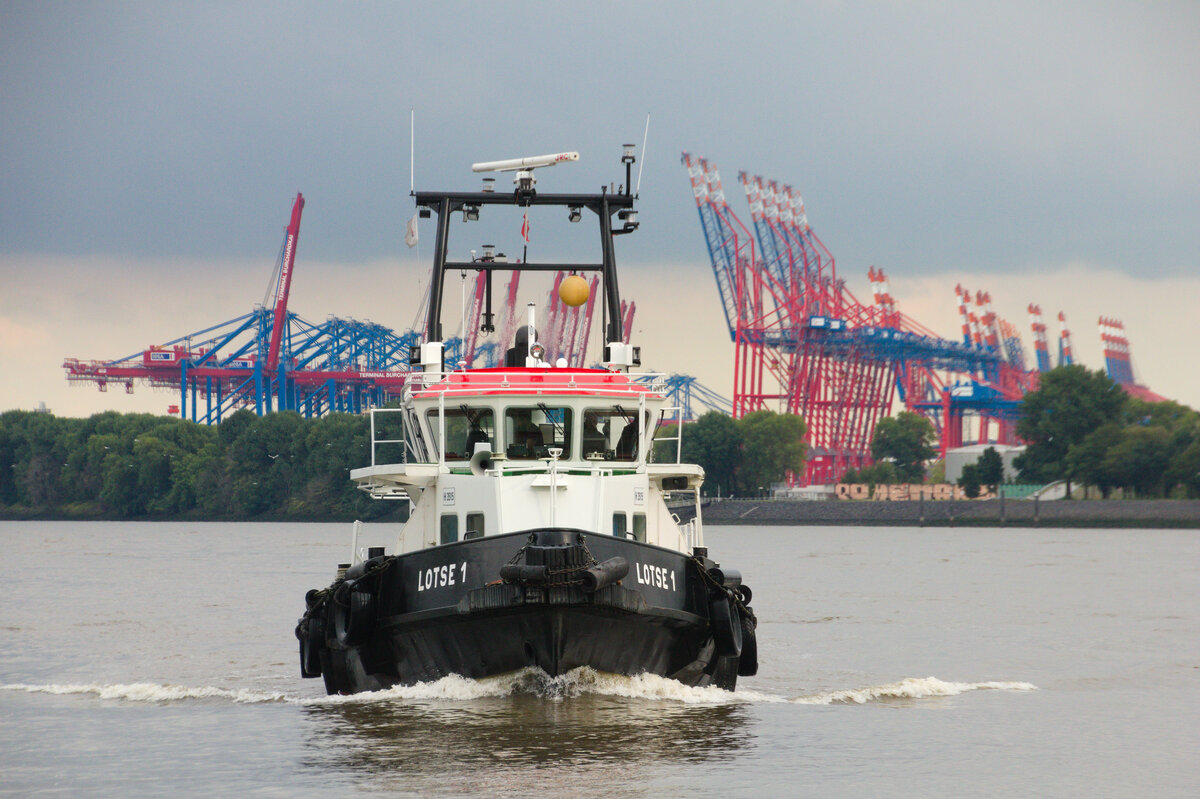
1178 513
957 458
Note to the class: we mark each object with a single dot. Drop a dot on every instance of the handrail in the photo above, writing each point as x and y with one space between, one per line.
569 382
678 437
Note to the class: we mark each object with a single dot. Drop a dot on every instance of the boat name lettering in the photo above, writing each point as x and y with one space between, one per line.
657 576
441 576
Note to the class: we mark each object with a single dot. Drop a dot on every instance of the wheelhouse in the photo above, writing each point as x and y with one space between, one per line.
508 450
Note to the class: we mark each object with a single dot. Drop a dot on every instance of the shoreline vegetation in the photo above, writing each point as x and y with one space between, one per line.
127 467
1079 426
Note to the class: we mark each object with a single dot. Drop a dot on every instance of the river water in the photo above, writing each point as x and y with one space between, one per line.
157 659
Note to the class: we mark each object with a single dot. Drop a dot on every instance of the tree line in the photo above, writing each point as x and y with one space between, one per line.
284 466
1078 426
128 466
741 457
1082 427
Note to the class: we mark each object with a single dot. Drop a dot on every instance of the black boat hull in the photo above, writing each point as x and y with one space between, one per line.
425 615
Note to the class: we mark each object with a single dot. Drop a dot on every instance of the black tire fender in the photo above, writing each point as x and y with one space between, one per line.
353 617
748 663
312 641
726 626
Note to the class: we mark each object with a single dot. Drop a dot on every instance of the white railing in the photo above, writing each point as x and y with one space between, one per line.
688 531
448 386
678 437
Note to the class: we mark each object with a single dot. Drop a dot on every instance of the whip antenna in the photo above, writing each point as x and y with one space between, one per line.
642 165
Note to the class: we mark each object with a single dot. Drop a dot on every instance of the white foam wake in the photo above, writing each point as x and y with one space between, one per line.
533 682
909 688
151 692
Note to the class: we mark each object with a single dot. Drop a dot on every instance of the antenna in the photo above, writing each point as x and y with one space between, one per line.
412 147
524 168
641 166
523 164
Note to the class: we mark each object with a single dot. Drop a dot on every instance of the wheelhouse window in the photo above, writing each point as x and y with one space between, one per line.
531 431
610 434
620 527
466 426
449 528
639 527
474 526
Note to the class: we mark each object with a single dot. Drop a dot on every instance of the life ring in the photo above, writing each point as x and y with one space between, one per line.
748 663
726 626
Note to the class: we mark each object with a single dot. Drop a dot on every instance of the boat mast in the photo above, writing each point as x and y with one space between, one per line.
605 205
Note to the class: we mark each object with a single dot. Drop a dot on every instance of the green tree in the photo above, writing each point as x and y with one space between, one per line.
8 484
969 481
1183 429
120 493
772 445
35 452
990 468
883 472
1184 469
1087 461
267 463
232 426
714 442
207 476
334 445
1069 403
1139 460
906 440
84 472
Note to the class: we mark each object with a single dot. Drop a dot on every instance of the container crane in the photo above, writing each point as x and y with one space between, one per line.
284 286
1064 341
1041 346
268 359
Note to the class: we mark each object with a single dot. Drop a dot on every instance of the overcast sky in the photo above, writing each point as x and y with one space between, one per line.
149 153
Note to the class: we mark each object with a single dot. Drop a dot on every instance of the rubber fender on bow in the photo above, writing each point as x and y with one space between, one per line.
730 578
748 663
312 641
746 593
605 573
352 619
726 626
523 573
362 567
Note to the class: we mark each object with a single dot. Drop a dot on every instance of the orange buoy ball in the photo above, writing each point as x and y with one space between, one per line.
573 290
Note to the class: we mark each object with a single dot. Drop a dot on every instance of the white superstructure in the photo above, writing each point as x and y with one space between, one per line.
493 451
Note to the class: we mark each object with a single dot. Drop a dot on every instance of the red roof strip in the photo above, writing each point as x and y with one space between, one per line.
536 381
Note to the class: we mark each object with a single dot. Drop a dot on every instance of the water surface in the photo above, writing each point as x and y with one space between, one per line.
158 659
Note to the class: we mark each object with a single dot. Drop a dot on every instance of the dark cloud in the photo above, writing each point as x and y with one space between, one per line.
923 136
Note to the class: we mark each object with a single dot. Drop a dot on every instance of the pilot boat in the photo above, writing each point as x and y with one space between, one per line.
540 533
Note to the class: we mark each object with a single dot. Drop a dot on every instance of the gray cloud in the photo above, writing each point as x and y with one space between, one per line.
152 145
979 136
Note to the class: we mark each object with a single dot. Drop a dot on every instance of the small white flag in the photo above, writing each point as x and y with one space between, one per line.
410 232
